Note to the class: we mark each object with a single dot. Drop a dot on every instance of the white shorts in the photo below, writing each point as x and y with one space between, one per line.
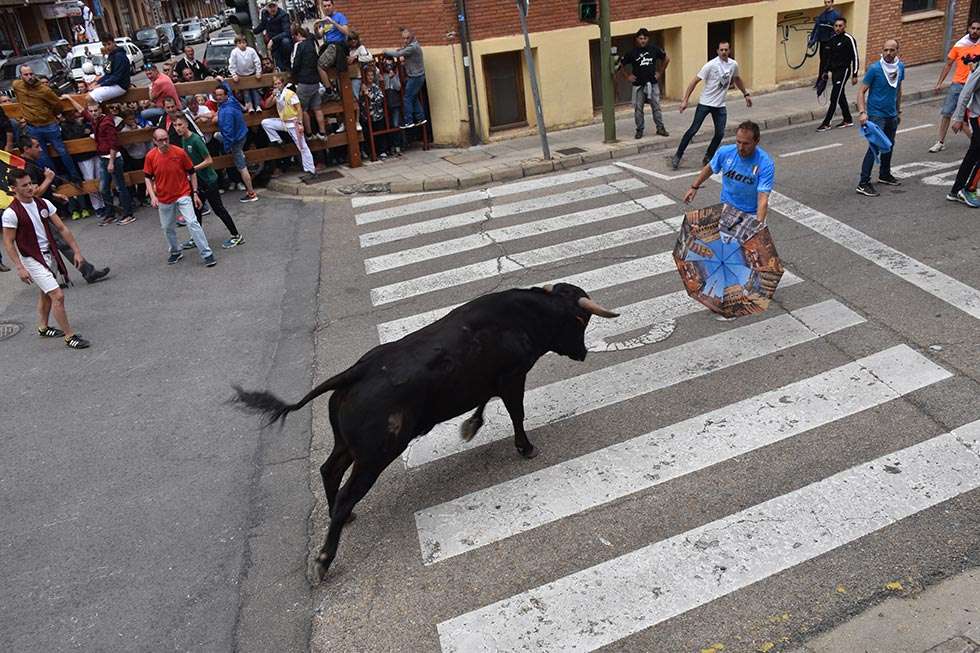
106 93
40 275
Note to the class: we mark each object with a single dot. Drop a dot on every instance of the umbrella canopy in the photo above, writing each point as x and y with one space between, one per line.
727 260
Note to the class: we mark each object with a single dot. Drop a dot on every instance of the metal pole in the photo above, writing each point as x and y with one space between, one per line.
464 41
950 17
605 72
253 13
538 115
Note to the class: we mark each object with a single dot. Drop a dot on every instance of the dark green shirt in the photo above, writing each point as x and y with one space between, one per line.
198 151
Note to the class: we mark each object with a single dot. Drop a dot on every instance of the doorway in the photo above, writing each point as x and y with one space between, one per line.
720 32
622 87
504 78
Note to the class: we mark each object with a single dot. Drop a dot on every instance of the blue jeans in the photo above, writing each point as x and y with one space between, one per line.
889 126
151 114
719 116
51 135
168 222
250 96
413 106
105 187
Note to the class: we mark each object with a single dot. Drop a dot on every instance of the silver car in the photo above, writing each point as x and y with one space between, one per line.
193 32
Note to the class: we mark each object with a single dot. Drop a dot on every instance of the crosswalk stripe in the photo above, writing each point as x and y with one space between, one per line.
515 188
617 383
367 200
548 495
659 313
522 260
513 232
612 600
953 292
606 276
477 216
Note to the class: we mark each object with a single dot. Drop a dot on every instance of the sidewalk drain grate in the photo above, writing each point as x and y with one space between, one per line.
8 330
571 150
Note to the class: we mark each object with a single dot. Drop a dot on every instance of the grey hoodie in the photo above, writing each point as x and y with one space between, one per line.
413 58
968 97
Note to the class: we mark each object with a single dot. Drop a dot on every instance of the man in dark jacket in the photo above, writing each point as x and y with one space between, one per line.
275 23
198 68
115 81
840 62
307 77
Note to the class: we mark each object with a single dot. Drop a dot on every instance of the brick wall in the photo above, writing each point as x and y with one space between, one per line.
920 41
378 22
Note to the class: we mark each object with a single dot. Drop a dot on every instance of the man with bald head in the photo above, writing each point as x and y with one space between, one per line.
411 54
171 183
882 85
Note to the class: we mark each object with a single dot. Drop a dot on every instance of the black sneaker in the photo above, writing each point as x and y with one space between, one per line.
173 258
662 132
867 189
209 261
638 134
76 342
98 275
824 128
889 181
675 162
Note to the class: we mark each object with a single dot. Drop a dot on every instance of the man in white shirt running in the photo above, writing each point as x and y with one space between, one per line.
718 76
28 239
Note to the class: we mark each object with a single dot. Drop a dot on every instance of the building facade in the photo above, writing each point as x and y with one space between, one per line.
768 39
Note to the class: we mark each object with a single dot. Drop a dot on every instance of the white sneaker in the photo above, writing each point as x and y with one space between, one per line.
359 128
343 128
938 147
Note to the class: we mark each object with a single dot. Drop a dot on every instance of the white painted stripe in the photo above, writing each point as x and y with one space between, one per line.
953 292
597 478
605 603
910 129
658 313
591 280
521 260
515 188
617 383
504 210
656 175
513 232
367 200
812 149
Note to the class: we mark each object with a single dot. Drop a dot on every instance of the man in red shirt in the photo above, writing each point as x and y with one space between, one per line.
161 86
172 183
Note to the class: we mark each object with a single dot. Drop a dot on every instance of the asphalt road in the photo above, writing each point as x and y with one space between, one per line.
140 512
738 541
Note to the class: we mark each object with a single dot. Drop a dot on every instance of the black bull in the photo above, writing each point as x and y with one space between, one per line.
400 390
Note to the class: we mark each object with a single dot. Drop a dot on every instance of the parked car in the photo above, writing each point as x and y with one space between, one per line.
132 51
172 30
61 47
75 66
154 43
193 32
49 67
216 55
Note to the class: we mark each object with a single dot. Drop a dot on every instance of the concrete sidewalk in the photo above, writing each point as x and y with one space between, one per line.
450 168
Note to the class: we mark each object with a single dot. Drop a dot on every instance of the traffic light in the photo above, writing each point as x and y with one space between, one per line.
588 11
242 18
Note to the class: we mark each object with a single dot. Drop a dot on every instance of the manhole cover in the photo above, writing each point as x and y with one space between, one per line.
571 150
8 330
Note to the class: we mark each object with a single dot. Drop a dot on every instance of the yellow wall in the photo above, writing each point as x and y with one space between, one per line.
564 68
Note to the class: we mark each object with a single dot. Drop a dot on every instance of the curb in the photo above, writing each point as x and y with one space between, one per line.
533 167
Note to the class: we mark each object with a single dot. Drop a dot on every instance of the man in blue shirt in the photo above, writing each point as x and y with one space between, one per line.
231 124
882 84
115 82
747 173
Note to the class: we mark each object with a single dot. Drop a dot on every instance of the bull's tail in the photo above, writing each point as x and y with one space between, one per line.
275 409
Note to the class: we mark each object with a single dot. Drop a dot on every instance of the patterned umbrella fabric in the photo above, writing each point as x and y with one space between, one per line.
727 260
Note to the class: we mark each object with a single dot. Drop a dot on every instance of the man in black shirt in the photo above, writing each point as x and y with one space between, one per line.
647 63
188 61
839 62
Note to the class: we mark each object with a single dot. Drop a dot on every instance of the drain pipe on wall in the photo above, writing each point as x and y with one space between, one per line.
950 17
464 40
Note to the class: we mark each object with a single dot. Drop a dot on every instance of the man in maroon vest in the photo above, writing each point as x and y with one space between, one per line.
29 241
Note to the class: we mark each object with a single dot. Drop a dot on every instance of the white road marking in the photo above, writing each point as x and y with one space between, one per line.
482 215
605 603
522 260
659 313
812 149
916 168
513 232
515 188
942 179
911 129
953 292
617 383
548 495
591 280
367 200
655 175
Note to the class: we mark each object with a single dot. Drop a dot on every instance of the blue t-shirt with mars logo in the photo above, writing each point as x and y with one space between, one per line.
743 179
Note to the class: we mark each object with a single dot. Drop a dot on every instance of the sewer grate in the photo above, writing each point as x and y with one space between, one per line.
9 330
571 150
328 175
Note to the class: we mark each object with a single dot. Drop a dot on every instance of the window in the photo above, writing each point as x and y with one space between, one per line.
504 77
909 6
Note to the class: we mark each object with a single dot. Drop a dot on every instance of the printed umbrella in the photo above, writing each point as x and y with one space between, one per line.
727 260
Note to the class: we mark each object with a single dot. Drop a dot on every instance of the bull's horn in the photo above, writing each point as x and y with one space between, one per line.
595 308
547 288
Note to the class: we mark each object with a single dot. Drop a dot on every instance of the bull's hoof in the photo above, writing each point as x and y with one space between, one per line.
469 428
530 452
322 565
